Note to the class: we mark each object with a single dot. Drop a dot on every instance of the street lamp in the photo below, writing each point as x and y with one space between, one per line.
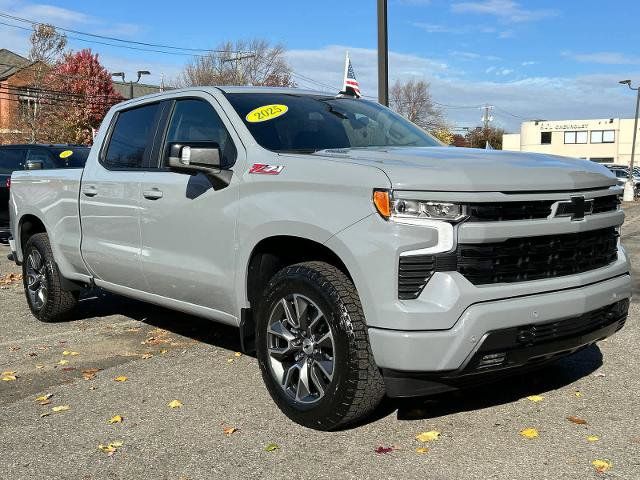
629 186
140 74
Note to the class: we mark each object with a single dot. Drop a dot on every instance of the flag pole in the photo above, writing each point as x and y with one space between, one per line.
346 70
383 54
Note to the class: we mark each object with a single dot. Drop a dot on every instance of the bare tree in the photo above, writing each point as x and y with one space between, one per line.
253 62
479 137
34 98
413 101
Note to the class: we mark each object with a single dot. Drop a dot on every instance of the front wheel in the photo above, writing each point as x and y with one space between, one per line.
313 347
48 301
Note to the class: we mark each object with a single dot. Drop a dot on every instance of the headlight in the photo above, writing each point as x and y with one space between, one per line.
400 209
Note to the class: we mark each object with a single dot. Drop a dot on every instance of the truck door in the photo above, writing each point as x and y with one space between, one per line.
110 198
188 226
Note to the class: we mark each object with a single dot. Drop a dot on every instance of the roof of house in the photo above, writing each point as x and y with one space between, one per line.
11 63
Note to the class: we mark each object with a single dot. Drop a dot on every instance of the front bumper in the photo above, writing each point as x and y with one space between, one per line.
446 351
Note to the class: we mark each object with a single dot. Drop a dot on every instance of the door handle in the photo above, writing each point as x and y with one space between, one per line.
90 191
153 194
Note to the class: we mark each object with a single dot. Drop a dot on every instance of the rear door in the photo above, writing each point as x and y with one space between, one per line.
110 198
188 224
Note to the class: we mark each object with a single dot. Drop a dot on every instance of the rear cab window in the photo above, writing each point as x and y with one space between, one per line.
12 159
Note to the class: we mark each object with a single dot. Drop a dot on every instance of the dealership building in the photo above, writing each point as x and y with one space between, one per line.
602 140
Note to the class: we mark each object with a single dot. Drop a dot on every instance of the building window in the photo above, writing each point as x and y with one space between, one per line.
602 159
545 138
576 137
603 136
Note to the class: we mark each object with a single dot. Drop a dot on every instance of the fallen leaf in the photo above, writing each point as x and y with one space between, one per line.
116 444
535 398
63 362
163 351
45 414
229 430
229 360
577 394
601 465
68 369
237 354
422 450
383 450
44 402
106 448
600 374
68 352
121 378
8 372
577 420
9 378
61 408
593 438
271 447
175 404
44 397
146 356
39 366
33 354
90 373
428 436
529 433
115 419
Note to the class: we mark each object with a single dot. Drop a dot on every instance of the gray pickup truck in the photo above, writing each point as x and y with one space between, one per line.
356 254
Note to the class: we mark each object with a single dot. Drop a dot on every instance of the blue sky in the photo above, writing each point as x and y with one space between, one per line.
531 59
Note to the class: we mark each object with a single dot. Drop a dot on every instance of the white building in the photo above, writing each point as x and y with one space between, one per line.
601 140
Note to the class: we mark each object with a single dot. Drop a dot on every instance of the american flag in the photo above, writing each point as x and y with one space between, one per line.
350 81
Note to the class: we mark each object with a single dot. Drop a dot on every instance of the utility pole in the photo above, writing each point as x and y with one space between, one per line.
486 116
383 54
630 187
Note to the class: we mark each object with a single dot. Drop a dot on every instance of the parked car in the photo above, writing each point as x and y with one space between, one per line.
32 157
622 175
357 254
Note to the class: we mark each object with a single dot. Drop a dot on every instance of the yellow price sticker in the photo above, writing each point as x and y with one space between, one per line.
266 112
66 154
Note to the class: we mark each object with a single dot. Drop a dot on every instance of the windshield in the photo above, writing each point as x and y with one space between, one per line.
72 157
307 123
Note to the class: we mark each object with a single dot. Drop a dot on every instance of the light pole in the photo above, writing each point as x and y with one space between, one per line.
140 74
629 186
383 54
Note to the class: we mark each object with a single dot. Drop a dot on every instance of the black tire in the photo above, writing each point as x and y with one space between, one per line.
57 303
357 386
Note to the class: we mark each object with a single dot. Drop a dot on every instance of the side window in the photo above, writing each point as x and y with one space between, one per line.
131 139
42 156
11 159
197 121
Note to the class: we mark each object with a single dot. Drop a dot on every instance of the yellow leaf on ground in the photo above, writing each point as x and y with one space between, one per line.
68 352
428 436
229 430
229 360
115 419
163 351
8 372
601 465
593 438
422 450
63 362
147 355
116 444
39 366
106 448
44 397
535 398
529 433
577 394
9 378
271 447
121 378
237 354
61 408
175 404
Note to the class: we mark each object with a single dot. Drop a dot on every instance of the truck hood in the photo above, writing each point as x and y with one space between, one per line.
475 170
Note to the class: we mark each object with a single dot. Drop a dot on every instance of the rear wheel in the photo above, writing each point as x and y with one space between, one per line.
48 301
313 347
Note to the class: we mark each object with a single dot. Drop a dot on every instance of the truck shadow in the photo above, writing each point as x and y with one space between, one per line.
556 375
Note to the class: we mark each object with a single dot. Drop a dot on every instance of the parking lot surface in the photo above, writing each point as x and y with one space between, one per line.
123 358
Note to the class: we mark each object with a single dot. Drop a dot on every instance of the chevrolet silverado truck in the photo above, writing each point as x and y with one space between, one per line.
354 252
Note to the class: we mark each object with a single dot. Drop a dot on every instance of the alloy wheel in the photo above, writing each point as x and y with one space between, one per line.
36 280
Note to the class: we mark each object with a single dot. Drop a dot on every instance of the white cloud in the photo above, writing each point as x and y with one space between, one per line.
528 63
604 58
464 55
506 10
453 29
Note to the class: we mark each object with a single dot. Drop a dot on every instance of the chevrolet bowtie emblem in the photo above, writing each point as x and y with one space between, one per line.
576 208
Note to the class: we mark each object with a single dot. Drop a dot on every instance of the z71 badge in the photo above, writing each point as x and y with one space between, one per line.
264 169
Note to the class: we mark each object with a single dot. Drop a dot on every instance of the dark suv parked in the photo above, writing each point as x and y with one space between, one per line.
33 157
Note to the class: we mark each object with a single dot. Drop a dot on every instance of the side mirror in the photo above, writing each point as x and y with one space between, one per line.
36 165
204 157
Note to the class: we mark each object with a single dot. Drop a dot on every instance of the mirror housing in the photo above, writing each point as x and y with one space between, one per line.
203 157
34 165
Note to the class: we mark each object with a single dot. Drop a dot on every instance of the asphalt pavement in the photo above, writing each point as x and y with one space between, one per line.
161 356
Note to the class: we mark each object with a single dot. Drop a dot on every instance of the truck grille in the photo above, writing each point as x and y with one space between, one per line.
514 260
529 210
534 258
